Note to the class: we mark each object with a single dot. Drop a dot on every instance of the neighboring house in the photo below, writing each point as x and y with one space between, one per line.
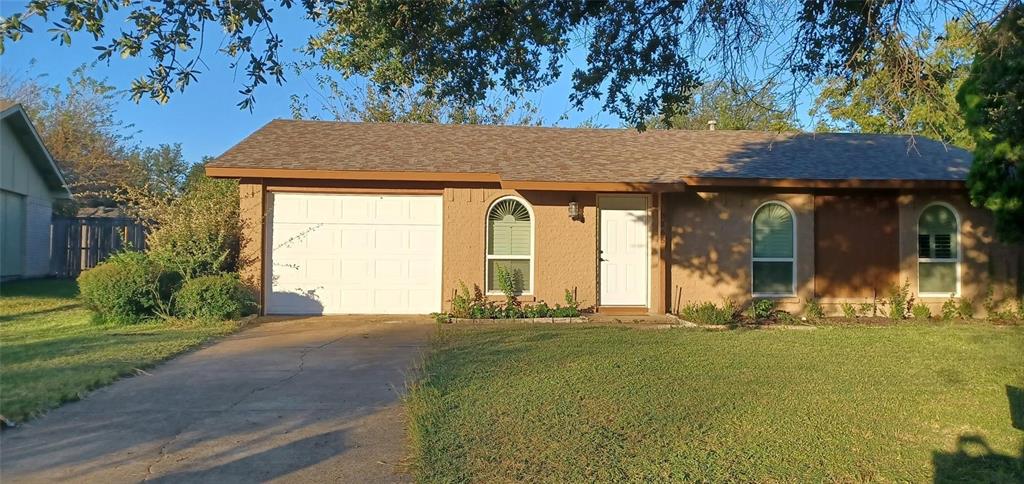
390 218
30 184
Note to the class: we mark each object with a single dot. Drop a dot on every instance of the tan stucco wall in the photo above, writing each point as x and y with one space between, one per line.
565 250
709 237
984 261
710 249
251 197
708 234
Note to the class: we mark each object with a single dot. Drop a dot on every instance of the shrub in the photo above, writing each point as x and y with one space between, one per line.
814 309
217 297
921 311
539 310
900 301
957 309
461 302
966 308
950 309
124 289
477 306
762 309
708 313
849 310
198 233
868 309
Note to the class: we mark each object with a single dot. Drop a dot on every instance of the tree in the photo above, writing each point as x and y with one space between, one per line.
992 99
908 88
408 105
78 123
733 107
642 58
162 170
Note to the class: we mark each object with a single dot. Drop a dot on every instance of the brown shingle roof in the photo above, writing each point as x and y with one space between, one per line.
593 155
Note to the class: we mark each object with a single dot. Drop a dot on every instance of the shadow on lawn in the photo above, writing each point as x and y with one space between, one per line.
975 461
40 312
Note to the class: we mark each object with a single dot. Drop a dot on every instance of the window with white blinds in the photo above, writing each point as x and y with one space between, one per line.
774 255
938 251
510 243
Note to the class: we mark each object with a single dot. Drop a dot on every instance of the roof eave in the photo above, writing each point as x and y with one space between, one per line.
53 175
597 186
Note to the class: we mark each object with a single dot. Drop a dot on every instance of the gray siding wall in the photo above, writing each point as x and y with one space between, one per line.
38 214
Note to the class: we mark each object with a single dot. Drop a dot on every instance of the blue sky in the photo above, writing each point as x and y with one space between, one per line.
205 118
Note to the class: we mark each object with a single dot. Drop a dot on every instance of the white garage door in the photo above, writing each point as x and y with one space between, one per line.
354 254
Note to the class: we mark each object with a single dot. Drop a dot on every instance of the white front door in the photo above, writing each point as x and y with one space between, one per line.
354 254
625 265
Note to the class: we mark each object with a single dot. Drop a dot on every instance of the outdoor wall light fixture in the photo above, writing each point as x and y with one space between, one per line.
574 210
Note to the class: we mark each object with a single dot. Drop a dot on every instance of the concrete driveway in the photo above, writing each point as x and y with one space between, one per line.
306 399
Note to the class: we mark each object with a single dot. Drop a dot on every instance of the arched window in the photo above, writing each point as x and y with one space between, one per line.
510 243
773 271
938 251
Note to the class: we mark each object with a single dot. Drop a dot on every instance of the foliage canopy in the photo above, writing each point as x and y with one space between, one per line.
641 58
992 99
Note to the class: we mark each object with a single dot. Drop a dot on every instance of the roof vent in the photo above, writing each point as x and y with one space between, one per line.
711 125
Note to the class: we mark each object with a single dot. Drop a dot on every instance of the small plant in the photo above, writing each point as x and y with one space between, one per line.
989 303
849 310
814 309
441 318
462 302
124 289
899 301
921 311
510 283
218 298
966 308
539 310
950 309
762 309
708 313
868 309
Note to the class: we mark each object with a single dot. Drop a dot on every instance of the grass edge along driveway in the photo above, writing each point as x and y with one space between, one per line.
914 402
52 352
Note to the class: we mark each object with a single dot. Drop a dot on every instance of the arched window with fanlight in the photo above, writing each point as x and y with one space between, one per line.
938 251
773 268
510 243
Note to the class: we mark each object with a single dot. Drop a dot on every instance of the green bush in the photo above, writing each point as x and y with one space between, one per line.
217 297
477 306
849 310
708 313
921 311
900 301
814 309
198 233
124 289
762 309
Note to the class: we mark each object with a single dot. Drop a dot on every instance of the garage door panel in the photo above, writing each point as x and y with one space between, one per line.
354 254
355 238
389 239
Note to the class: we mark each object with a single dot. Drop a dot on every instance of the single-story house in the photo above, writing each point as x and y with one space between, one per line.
391 218
30 184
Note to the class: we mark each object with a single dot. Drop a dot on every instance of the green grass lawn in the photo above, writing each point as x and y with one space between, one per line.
52 352
559 403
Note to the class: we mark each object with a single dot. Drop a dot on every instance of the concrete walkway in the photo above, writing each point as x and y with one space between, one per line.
291 400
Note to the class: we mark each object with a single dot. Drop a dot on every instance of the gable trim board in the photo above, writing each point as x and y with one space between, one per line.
698 235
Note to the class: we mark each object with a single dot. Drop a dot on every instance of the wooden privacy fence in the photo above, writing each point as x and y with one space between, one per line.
79 243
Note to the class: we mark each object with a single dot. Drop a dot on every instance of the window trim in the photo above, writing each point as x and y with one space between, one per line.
926 260
487 243
791 260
